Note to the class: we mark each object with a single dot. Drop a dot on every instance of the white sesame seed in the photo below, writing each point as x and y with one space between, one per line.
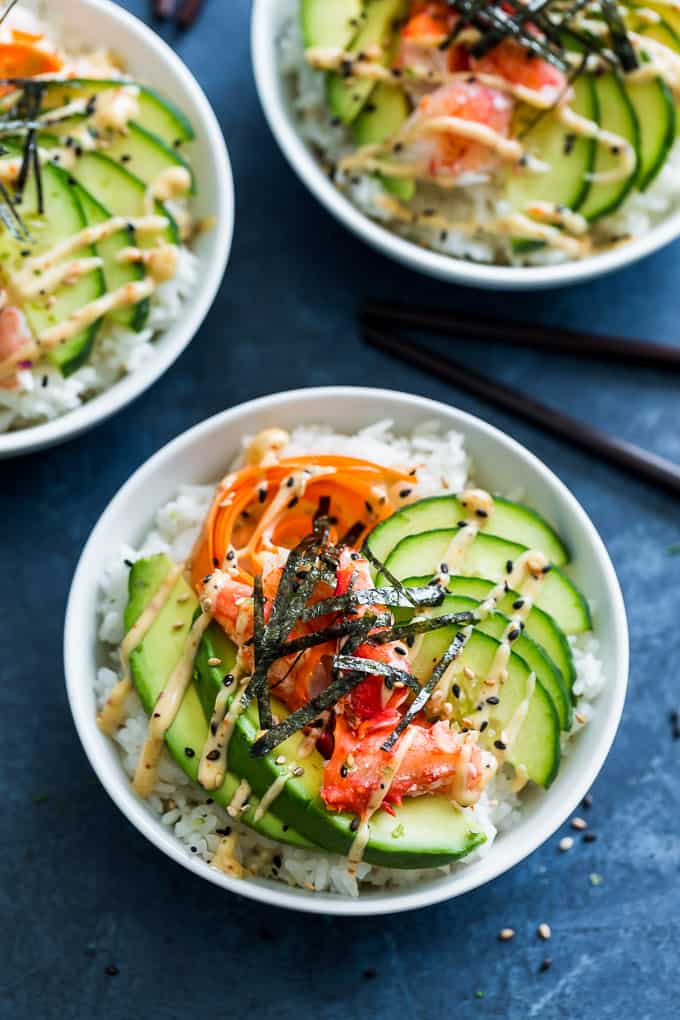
579 823
566 843
214 661
544 931
178 625
281 760
469 672
505 934
580 718
184 598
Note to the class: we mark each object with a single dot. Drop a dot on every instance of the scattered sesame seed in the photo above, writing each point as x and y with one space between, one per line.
214 661
545 965
499 745
111 971
298 771
566 843
589 837
580 718
281 760
544 931
579 823
505 934
587 801
469 672
178 625
189 752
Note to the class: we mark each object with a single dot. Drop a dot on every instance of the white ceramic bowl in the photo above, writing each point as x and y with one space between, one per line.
201 455
99 22
269 17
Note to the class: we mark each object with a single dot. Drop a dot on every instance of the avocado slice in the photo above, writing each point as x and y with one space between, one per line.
379 120
151 664
424 832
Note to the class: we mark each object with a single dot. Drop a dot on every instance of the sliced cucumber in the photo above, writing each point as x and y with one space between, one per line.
327 24
571 158
536 658
655 110
144 154
63 218
616 114
347 96
540 626
156 113
509 520
537 744
116 274
380 120
489 557
117 189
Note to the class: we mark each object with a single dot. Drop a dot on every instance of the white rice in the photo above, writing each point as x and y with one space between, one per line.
42 393
476 198
183 806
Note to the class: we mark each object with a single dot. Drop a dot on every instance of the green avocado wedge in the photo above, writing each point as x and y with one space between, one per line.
152 662
424 832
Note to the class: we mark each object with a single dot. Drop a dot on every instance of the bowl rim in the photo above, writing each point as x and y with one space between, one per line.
440 266
113 399
79 665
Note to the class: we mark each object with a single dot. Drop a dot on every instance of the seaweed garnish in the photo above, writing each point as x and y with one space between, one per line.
382 569
422 698
426 596
260 663
8 10
372 667
621 43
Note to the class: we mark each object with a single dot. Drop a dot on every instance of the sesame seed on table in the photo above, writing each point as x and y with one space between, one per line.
122 930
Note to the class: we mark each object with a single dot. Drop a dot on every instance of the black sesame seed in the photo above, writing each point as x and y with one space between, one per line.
399 650
443 568
290 482
194 849
230 555
405 493
456 691
500 745
369 506
293 502
509 566
111 971
545 965
216 562
213 755
493 700
128 563
189 752
45 380
514 634
587 801
484 726
344 771
355 556
589 837
481 513
518 603
261 495
354 824
126 157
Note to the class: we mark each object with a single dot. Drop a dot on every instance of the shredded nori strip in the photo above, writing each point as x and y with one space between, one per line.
8 9
429 595
380 566
621 44
421 625
353 534
260 671
375 668
421 699
347 628
341 686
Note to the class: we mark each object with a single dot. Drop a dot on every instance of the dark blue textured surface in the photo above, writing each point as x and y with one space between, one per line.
81 890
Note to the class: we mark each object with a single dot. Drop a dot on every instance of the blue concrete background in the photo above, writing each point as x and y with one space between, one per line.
82 891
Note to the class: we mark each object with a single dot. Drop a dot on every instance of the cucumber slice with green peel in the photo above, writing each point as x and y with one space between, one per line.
346 97
617 115
379 121
571 159
144 154
537 743
151 664
156 113
536 658
489 557
116 274
509 520
118 190
540 626
669 15
327 24
63 217
655 110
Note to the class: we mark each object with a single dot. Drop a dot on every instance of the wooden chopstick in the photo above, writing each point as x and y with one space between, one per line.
188 13
524 334
633 459
162 10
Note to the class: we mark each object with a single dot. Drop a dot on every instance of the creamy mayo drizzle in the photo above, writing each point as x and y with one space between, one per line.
618 145
559 215
356 851
66 272
238 802
166 708
89 236
111 715
128 294
225 858
271 794
213 765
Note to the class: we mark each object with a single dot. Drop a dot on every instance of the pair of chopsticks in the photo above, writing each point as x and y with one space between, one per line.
183 12
378 325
